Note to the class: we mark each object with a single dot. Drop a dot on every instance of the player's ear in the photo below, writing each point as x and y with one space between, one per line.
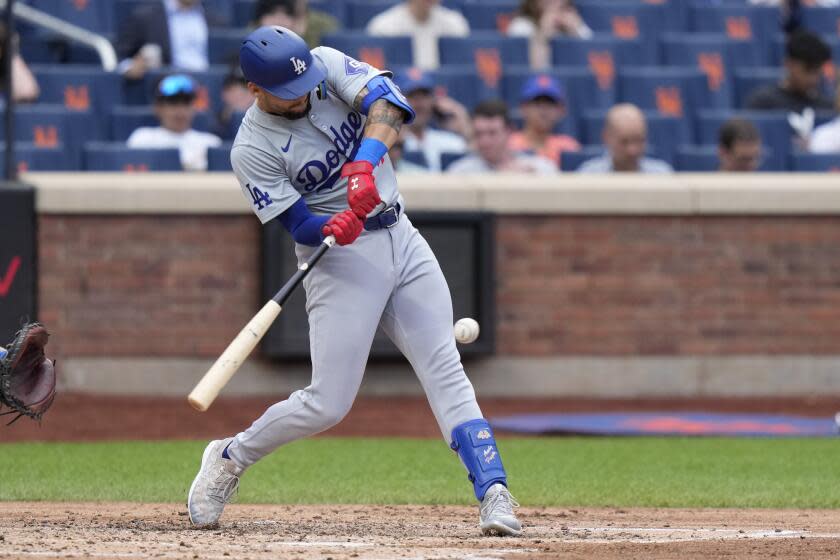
254 89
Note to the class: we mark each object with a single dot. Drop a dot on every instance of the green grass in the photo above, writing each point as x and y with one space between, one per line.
546 471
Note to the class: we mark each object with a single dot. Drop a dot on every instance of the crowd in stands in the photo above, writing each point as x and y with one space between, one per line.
530 86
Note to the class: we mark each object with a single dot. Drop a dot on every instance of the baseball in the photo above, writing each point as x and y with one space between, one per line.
466 330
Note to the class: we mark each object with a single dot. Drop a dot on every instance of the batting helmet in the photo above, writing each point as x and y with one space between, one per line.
279 61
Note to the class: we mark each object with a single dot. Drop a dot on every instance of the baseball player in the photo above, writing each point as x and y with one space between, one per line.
312 153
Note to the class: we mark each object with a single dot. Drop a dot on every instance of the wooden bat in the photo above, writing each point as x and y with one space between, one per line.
206 391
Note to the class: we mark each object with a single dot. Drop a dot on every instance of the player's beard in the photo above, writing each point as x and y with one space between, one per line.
295 115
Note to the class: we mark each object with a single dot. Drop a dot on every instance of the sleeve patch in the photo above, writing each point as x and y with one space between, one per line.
353 67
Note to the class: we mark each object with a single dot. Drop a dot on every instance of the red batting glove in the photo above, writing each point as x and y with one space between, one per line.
362 196
345 226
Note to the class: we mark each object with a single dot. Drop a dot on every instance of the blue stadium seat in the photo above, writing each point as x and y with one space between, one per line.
115 156
773 126
627 20
360 12
739 21
223 45
815 162
714 54
674 91
490 15
705 159
665 133
448 158
602 53
463 84
30 157
582 93
141 92
94 15
233 125
748 80
80 88
822 20
218 159
126 119
416 157
488 51
572 160
379 52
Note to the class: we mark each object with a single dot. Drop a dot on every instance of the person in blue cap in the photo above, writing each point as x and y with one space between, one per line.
433 113
543 105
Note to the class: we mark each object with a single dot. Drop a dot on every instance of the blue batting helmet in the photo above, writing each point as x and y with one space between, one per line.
279 61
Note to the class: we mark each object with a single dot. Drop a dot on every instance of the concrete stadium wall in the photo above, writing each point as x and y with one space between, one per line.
606 286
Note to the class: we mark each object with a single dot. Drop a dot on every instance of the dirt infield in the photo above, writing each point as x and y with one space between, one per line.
83 417
124 530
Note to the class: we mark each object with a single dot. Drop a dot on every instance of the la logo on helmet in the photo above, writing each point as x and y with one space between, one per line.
298 65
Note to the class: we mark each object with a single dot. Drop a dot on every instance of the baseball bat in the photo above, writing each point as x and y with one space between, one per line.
206 391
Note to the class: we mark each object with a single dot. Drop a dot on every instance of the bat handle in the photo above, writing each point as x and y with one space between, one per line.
303 269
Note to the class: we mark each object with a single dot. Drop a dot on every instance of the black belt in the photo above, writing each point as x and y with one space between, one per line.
388 218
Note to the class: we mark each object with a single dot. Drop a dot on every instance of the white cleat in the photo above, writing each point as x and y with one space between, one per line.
496 512
213 486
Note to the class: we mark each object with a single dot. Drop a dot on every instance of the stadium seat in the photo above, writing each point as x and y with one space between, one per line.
30 157
602 54
489 53
223 45
572 160
490 15
126 119
822 20
448 158
583 93
115 156
773 126
416 157
737 20
218 159
141 92
714 54
360 12
665 133
627 20
747 80
233 126
379 52
93 15
705 159
463 84
80 88
815 162
674 91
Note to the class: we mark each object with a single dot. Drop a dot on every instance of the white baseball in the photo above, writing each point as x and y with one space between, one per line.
466 330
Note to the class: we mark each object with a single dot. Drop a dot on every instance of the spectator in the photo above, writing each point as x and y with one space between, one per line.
295 15
625 137
739 146
420 135
236 98
166 33
425 21
174 97
543 105
826 138
491 136
540 20
402 165
805 56
24 85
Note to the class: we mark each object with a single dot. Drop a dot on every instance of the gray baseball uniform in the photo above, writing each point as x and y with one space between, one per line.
387 277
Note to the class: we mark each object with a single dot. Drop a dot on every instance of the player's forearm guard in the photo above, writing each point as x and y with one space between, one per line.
476 446
2 352
381 87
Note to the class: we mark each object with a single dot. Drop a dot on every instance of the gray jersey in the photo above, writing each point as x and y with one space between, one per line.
278 160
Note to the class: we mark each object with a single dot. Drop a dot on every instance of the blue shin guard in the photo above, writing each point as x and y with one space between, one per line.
476 446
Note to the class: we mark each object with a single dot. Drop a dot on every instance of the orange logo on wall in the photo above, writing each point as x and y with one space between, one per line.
829 71
739 27
135 168
669 101
603 67
22 167
202 99
625 27
712 65
373 56
503 21
488 63
76 98
45 136
80 5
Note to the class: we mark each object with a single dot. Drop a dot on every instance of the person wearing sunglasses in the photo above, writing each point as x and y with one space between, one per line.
174 108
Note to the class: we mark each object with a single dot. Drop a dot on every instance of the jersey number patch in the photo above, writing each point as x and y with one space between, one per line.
260 198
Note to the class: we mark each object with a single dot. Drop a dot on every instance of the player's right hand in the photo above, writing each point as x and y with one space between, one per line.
362 196
345 226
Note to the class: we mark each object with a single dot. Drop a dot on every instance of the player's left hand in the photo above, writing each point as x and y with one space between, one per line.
345 226
362 195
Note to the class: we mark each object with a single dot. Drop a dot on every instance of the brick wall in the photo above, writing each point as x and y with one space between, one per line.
179 286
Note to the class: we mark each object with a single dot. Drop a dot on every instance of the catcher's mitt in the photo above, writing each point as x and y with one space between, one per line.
27 376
